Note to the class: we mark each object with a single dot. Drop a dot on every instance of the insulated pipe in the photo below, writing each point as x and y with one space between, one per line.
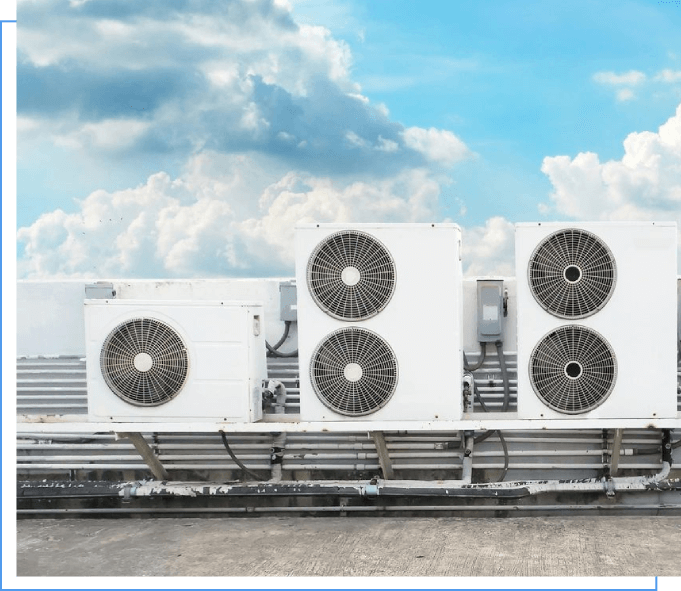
452 488
277 456
467 464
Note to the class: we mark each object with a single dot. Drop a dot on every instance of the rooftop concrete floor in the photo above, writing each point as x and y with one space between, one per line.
356 546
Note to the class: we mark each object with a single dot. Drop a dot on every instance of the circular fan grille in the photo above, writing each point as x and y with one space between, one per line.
354 371
144 362
572 274
573 369
351 275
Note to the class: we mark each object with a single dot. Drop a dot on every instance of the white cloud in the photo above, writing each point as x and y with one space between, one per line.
488 249
624 94
109 134
211 221
438 145
631 78
668 76
385 145
644 185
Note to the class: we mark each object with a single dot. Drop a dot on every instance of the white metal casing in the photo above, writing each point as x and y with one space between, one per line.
422 323
225 344
638 321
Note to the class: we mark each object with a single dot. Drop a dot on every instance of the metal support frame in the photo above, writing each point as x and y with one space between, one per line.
147 454
383 455
615 456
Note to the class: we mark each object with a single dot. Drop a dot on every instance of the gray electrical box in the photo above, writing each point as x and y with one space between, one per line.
102 290
490 310
288 300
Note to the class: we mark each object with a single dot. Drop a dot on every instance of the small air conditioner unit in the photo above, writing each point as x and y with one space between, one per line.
178 361
596 320
379 322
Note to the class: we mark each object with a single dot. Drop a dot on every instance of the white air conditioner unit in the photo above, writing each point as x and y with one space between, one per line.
379 322
596 320
177 361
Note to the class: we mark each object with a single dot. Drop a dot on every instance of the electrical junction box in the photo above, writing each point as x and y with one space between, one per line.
288 301
490 310
101 290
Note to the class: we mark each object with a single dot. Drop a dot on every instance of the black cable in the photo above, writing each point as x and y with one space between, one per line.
280 342
478 365
504 375
486 434
676 444
273 352
237 461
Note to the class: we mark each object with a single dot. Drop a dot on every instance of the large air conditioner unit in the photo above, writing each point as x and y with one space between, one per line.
596 320
179 361
379 322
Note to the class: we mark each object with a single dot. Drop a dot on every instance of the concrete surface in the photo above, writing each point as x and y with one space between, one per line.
299 546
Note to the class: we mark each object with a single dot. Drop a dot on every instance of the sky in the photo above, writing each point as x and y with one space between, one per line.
186 138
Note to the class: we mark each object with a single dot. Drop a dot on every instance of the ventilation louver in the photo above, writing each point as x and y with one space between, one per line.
572 274
573 369
351 275
144 362
354 371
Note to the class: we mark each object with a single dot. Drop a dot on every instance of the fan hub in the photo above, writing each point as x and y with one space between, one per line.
572 274
353 372
573 370
350 276
143 362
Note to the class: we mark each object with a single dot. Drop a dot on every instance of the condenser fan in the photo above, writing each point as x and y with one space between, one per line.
144 361
573 369
572 274
351 275
354 371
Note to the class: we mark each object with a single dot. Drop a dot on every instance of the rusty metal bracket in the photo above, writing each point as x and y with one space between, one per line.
383 456
147 454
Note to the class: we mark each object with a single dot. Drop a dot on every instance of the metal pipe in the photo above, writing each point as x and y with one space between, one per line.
277 456
467 464
350 509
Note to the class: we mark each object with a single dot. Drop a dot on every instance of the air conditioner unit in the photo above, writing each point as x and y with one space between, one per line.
596 320
379 322
174 360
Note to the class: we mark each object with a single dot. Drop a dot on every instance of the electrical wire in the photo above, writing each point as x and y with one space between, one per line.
272 350
280 342
237 461
481 438
504 375
478 365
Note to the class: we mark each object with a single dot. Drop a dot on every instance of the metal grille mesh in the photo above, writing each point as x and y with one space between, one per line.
572 274
144 362
354 371
573 369
351 275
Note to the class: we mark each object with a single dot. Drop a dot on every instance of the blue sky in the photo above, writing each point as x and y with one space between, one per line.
186 138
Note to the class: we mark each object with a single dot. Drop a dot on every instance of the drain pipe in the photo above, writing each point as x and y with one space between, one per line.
279 440
467 462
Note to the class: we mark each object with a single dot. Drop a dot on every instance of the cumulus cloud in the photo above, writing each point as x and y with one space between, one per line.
234 77
199 224
488 249
645 184
262 109
437 145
